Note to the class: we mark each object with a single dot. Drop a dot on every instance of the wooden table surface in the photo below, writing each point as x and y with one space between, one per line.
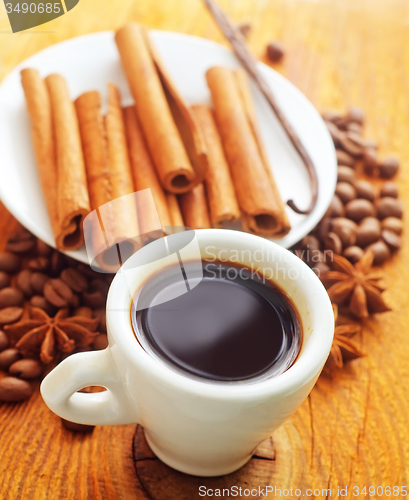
354 428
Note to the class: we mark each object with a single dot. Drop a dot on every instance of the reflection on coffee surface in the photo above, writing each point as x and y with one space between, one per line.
231 325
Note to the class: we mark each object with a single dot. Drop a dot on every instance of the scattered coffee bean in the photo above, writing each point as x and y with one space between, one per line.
345 229
370 162
320 268
74 279
244 29
356 115
72 426
100 342
20 242
37 282
331 116
10 297
101 315
23 282
350 146
345 191
389 189
353 254
358 209
57 262
381 252
4 341
85 312
333 242
26 368
335 133
4 279
39 264
369 231
389 167
344 158
9 263
393 224
365 190
324 228
42 303
346 174
393 240
13 389
43 249
58 293
356 139
8 357
388 207
96 295
275 51
10 315
311 243
354 127
336 208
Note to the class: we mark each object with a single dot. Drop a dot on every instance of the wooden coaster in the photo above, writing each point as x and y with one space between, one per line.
164 483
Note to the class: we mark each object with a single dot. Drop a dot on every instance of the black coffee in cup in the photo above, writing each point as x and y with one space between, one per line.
232 324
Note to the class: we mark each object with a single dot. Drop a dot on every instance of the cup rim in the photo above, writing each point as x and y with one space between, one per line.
301 372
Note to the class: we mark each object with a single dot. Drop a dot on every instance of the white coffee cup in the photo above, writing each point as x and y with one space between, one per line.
196 426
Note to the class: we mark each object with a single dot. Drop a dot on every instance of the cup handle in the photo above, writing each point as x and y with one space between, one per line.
59 390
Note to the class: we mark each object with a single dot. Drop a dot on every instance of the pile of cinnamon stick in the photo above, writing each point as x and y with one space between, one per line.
204 168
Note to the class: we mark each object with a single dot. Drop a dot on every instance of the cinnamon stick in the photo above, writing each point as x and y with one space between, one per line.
145 177
72 195
193 206
164 139
262 211
221 196
123 208
174 211
39 109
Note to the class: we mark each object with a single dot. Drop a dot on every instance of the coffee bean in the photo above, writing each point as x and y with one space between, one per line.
356 115
96 295
4 279
393 240
356 139
365 190
353 254
350 146
389 189
72 426
393 224
43 249
39 264
100 342
389 167
275 51
58 293
101 313
37 281
85 312
74 279
324 228
310 242
344 158
10 297
320 268
335 133
388 207
9 263
57 262
26 368
336 208
20 242
23 282
4 341
10 315
354 127
345 191
13 389
381 252
358 209
8 357
331 116
346 174
42 303
370 162
345 229
244 29
333 242
369 231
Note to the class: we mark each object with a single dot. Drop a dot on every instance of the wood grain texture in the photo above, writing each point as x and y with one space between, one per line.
353 429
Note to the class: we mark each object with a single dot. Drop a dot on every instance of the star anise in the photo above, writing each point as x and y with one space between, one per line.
342 344
46 335
355 285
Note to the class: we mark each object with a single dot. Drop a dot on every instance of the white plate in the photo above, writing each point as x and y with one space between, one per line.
89 62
